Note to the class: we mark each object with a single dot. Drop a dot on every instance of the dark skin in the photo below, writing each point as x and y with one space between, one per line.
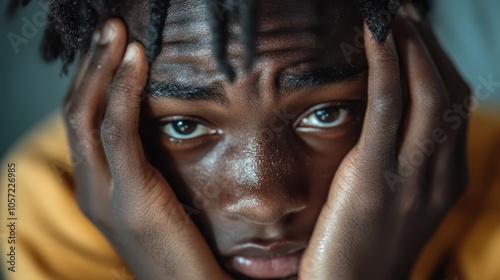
257 177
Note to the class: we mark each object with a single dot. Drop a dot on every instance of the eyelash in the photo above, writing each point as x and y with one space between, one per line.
347 107
350 109
167 125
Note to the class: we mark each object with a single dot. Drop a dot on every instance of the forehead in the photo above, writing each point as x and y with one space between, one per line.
290 32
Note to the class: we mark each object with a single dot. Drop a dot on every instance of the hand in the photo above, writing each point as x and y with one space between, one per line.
116 187
406 171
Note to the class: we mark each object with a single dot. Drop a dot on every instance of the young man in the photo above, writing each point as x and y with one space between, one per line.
297 142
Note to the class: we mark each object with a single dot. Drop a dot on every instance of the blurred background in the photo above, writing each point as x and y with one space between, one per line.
30 89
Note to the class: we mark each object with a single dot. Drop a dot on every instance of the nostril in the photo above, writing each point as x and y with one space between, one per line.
261 185
262 211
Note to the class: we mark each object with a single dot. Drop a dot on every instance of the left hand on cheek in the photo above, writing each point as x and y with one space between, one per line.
406 171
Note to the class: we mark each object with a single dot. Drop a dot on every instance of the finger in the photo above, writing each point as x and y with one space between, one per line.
82 68
428 97
85 58
385 101
457 88
137 183
451 145
91 91
120 128
140 190
85 109
84 113
444 64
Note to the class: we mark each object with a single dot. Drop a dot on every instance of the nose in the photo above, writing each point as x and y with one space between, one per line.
262 211
265 183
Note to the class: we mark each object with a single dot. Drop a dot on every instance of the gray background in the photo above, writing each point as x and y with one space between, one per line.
31 89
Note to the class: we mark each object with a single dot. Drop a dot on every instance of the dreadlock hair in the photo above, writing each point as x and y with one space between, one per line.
71 24
220 37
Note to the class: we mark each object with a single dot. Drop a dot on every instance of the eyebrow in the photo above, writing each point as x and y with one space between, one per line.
191 93
286 84
319 76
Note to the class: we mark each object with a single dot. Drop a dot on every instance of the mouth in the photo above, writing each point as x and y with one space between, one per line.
266 262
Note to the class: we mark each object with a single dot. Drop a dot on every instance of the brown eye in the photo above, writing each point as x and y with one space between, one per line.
186 129
327 117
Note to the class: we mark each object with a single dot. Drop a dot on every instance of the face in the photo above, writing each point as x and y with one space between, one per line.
253 159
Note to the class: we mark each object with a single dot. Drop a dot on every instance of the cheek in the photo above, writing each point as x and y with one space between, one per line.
208 179
323 159
290 171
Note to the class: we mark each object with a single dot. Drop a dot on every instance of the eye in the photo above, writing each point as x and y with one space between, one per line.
328 117
184 129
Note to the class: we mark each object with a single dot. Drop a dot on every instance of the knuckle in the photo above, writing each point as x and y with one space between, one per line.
388 108
111 131
75 117
435 98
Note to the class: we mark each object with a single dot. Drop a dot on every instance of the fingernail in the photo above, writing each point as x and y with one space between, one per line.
96 37
108 33
131 53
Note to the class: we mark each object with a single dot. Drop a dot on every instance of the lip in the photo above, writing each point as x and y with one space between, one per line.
275 260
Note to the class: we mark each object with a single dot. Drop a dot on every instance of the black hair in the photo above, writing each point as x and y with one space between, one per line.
71 24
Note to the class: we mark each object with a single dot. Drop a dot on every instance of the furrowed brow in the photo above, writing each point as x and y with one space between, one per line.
320 76
191 93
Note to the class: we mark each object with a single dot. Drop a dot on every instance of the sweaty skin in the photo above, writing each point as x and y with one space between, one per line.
263 180
283 171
